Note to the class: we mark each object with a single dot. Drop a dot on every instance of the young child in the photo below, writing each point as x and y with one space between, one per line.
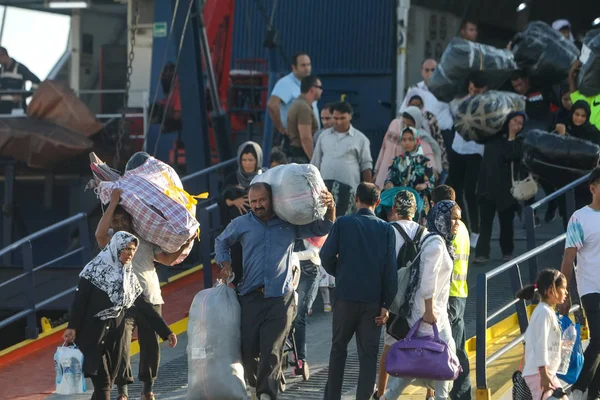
543 336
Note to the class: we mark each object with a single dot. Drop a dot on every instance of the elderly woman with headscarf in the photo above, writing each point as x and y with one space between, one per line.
429 289
234 197
107 288
413 168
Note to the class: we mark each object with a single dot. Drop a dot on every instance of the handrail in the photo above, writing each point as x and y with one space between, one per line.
26 247
208 170
482 317
529 215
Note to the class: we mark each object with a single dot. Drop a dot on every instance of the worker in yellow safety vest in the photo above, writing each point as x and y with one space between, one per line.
458 297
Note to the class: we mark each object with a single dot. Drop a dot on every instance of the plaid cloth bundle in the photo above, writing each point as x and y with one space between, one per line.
163 213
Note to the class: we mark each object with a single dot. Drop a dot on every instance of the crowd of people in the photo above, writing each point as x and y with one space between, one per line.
425 179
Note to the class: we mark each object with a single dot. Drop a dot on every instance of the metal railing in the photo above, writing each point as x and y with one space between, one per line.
529 215
483 320
26 247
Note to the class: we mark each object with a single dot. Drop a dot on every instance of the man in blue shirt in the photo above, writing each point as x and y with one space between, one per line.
286 90
360 252
266 292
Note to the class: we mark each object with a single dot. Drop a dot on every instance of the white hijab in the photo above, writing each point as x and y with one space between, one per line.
108 274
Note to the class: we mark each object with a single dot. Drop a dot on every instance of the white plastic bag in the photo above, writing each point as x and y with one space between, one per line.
296 192
214 347
68 361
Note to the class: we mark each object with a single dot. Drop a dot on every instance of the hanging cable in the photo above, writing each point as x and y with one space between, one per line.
185 25
164 60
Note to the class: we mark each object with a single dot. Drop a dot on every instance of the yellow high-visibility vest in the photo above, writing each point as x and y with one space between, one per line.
462 248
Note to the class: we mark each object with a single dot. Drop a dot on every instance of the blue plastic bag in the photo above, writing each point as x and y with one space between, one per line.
576 364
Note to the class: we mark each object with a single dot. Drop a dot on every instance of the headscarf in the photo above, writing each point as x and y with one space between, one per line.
388 195
585 131
417 150
108 274
405 203
511 116
439 222
243 177
561 24
415 114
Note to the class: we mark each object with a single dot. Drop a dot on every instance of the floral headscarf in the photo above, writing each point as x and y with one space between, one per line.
439 222
108 274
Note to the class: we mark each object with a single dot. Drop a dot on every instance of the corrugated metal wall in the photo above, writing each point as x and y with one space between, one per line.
351 44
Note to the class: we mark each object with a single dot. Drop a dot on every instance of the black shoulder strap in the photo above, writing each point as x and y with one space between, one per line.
403 233
419 233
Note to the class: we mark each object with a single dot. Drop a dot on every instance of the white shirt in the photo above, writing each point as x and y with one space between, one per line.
438 108
461 146
287 89
145 271
436 272
410 227
583 233
542 341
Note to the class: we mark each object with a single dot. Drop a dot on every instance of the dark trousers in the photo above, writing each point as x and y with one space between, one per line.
463 177
456 312
266 323
149 348
110 363
589 379
351 317
488 211
306 287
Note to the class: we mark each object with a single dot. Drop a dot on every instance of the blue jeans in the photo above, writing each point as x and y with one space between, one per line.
456 312
306 287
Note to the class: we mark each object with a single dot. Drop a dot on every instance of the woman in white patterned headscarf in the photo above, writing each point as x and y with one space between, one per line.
107 287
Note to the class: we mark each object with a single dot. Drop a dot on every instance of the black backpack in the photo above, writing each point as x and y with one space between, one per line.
409 250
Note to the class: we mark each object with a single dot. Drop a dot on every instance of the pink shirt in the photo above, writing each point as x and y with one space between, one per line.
390 148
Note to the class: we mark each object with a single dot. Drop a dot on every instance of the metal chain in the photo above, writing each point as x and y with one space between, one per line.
119 147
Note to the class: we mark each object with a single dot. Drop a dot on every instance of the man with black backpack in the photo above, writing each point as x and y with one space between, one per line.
408 236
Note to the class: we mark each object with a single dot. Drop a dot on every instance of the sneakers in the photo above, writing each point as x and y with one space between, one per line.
327 307
480 260
507 257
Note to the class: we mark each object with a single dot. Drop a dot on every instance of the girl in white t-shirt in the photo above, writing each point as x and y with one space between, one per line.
543 336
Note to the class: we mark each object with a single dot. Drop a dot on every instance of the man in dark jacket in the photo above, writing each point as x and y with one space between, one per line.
360 252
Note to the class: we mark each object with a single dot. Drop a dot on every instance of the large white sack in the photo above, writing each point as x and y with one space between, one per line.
296 192
214 347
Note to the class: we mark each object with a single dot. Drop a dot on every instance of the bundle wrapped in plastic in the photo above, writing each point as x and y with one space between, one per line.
162 212
296 192
589 76
463 58
483 115
544 54
557 158
214 347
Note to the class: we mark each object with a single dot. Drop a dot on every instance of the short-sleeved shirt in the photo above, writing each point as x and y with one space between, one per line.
594 103
343 157
300 113
583 233
287 89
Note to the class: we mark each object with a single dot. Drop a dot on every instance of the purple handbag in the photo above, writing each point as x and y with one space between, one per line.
422 357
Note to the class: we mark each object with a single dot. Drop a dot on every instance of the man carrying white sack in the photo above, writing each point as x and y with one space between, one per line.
266 292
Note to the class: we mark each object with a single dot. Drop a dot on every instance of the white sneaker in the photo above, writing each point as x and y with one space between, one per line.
576 395
474 237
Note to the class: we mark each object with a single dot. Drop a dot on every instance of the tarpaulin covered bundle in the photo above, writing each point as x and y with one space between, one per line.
544 54
296 192
557 158
162 212
40 144
483 115
589 76
56 102
214 349
463 58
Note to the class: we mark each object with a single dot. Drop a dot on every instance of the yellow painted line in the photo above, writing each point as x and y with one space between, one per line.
177 327
64 326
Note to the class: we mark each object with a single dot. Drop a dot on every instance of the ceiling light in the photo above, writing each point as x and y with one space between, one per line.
521 7
67 4
596 22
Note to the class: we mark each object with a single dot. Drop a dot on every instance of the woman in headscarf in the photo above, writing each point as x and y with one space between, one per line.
429 289
391 146
412 168
501 157
234 197
579 124
107 288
